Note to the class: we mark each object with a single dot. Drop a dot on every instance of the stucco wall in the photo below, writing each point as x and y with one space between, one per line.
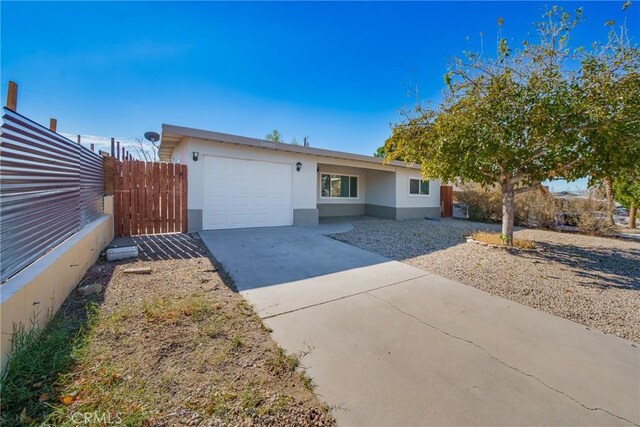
39 290
303 182
378 184
381 188
406 200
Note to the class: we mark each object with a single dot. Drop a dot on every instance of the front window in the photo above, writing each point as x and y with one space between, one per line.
339 186
419 186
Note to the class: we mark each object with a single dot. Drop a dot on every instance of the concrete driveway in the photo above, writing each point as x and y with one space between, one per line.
389 344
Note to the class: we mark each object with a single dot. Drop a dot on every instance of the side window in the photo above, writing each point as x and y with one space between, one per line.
419 186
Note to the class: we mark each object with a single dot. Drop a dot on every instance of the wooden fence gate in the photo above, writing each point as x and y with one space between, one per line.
446 201
149 197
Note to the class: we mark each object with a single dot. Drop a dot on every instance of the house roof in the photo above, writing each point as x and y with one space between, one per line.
172 135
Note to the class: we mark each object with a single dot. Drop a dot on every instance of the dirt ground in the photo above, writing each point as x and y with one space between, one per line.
178 347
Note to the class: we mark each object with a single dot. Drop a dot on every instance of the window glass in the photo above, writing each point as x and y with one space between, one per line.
353 190
326 185
338 186
414 186
424 187
419 186
344 186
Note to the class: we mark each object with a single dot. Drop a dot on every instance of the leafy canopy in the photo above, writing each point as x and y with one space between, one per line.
508 120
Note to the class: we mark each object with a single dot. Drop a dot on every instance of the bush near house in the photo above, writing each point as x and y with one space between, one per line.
537 209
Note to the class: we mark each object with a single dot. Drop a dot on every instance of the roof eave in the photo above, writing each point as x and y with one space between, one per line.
172 135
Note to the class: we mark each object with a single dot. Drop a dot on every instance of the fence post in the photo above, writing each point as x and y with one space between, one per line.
185 221
12 96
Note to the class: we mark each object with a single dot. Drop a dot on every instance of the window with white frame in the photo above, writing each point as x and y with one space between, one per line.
419 187
334 185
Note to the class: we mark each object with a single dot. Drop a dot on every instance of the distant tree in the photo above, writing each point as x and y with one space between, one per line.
145 150
274 136
508 121
626 189
610 107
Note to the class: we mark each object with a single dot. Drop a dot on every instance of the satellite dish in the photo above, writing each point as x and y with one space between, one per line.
152 136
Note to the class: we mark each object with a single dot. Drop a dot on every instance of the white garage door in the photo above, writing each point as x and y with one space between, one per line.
245 193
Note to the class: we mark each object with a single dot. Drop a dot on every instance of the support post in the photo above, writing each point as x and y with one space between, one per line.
12 96
113 154
53 124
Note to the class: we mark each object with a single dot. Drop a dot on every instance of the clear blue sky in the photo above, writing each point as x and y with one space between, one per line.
337 72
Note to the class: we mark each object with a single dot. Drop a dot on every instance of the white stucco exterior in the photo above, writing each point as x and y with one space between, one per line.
383 189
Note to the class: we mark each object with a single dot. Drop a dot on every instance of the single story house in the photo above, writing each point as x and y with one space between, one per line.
237 182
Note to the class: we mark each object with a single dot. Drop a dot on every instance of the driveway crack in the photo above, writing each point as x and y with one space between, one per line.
343 297
499 360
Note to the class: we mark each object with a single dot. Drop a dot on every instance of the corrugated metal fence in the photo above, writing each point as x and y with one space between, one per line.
50 187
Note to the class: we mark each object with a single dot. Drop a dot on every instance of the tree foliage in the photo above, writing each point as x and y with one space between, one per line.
522 116
274 136
610 108
626 188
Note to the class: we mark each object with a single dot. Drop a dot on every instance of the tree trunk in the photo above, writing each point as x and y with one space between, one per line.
608 188
508 212
633 210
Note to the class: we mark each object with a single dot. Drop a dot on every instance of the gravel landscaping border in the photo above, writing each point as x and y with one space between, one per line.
594 281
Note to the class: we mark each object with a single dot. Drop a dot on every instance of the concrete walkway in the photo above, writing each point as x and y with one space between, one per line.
389 344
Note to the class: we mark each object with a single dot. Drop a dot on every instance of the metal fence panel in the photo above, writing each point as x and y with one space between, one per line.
91 186
41 197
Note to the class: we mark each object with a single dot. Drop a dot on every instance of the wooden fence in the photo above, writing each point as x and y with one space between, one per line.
446 201
149 197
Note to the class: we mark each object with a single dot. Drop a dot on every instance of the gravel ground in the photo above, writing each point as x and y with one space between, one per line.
591 280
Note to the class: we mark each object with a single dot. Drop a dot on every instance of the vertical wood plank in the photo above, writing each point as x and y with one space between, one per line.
160 207
148 173
177 197
134 196
142 206
116 200
12 96
165 197
126 191
154 196
138 197
185 225
171 198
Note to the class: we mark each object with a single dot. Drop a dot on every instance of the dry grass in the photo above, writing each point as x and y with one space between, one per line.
496 239
173 347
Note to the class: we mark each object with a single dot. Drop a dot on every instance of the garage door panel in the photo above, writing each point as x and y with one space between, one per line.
244 193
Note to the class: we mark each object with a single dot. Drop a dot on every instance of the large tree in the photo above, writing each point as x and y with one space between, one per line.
610 107
508 120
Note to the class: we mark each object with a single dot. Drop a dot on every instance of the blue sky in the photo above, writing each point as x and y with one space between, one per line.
337 72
